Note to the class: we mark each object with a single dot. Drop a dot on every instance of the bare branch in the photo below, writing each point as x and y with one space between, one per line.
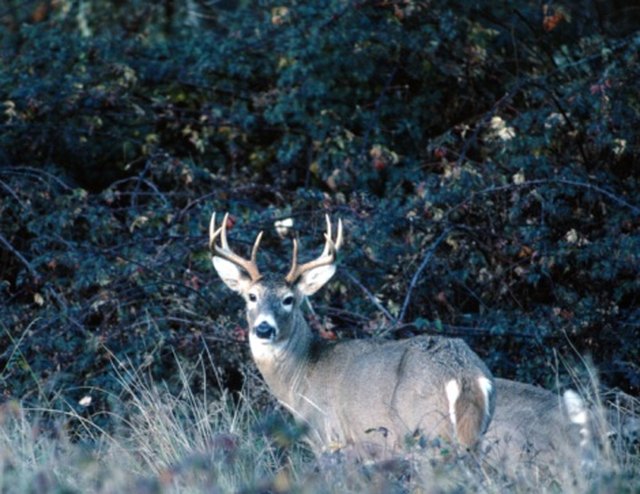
35 172
370 296
418 273
545 181
34 274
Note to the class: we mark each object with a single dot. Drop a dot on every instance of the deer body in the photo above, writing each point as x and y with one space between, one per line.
369 395
377 393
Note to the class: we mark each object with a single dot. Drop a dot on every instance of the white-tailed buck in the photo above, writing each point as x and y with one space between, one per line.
368 395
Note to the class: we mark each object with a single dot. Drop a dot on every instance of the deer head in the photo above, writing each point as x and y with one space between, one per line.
272 303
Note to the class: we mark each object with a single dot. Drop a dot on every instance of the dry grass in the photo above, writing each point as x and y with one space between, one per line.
189 442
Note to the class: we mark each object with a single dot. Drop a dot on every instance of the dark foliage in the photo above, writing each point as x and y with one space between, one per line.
482 157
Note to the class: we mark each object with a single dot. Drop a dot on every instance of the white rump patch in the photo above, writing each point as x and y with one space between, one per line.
577 411
487 389
452 389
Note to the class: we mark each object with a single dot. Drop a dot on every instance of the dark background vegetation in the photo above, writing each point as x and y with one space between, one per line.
482 155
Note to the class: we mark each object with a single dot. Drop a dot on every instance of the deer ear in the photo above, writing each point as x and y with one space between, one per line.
232 276
311 281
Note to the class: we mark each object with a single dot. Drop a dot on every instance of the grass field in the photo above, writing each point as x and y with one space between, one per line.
191 442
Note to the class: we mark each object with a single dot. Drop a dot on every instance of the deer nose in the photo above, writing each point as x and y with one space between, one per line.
265 330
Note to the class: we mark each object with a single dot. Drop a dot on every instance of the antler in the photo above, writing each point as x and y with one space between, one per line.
249 265
328 255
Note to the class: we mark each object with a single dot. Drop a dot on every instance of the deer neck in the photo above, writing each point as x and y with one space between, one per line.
284 364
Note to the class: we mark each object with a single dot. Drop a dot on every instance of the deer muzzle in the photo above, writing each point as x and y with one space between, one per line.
265 330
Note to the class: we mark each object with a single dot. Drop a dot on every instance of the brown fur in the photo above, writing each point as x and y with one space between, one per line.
471 416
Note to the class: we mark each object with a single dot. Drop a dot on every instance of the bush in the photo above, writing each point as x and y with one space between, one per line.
482 159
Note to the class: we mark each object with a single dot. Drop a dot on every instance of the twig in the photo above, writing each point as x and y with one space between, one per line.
15 349
453 330
194 202
370 296
27 170
34 274
597 189
544 181
134 196
418 273
486 118
156 190
556 100
13 193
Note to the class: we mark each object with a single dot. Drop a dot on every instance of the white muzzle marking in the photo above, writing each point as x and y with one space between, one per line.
263 348
268 318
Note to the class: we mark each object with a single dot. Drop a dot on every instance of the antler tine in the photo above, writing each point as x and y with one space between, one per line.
291 275
338 243
212 231
254 249
223 237
328 255
249 265
327 236
329 243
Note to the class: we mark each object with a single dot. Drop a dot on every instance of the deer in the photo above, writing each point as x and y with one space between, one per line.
366 396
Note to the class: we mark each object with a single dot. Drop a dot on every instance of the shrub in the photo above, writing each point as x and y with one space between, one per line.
482 159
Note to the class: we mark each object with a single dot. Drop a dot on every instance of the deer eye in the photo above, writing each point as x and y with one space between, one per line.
288 300
253 297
